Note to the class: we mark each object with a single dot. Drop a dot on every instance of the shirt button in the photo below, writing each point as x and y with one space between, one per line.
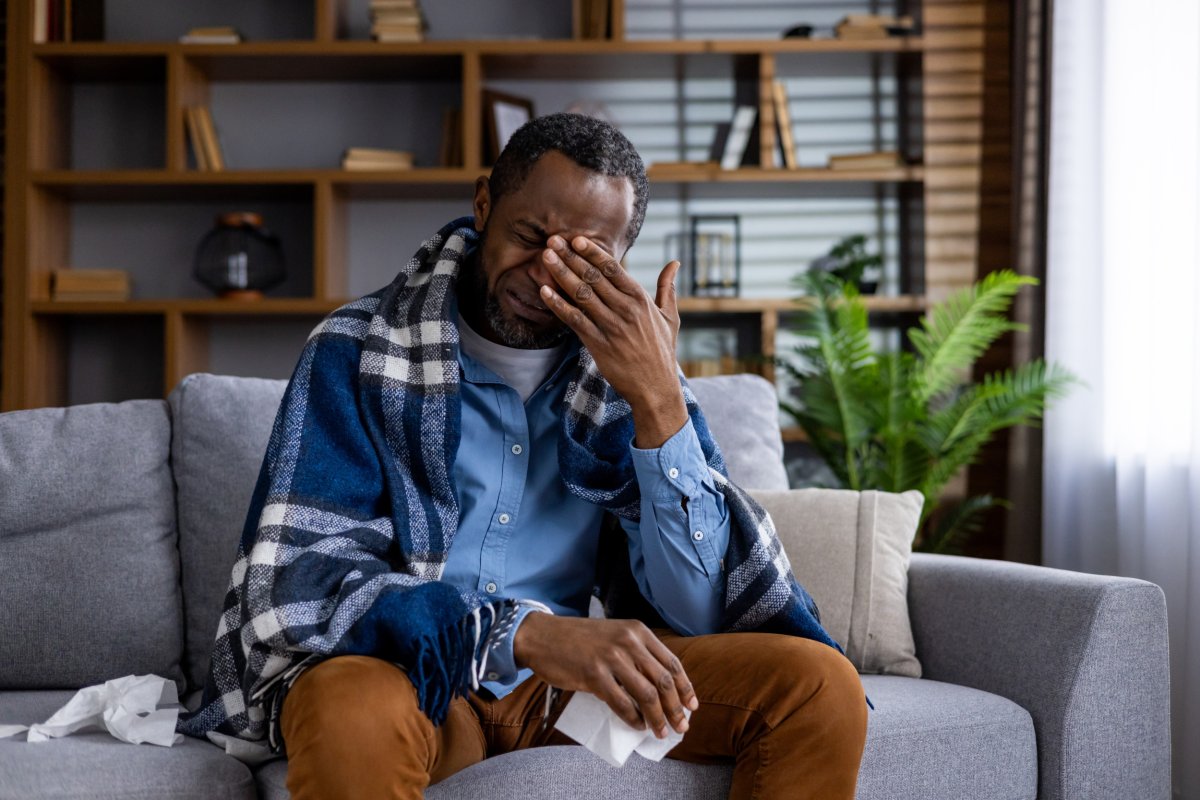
673 472
516 448
491 589
493 676
698 535
504 518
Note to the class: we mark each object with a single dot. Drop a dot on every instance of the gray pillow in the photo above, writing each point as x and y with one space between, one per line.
851 551
90 587
220 427
743 413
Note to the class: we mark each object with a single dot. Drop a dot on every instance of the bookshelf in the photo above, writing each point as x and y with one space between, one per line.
133 180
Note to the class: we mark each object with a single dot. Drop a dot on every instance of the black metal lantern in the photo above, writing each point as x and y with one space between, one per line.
715 251
239 258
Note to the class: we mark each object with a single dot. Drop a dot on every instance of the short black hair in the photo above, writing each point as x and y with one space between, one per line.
590 142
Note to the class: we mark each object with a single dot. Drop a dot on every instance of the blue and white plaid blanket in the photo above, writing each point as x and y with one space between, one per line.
354 511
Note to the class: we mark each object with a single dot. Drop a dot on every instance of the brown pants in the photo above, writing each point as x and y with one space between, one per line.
789 713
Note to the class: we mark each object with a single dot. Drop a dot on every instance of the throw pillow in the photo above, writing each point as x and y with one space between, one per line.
851 551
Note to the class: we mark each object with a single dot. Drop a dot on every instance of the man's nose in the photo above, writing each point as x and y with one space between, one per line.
539 272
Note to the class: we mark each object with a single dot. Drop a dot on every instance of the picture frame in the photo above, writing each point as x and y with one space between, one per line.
502 115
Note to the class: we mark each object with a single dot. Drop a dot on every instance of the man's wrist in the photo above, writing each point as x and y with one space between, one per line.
657 418
527 636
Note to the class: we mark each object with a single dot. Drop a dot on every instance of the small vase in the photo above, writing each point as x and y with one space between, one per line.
239 258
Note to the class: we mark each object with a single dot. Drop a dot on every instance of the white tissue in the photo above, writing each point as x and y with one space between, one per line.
126 707
588 720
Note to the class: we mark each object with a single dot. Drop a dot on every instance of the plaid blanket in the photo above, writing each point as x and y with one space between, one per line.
354 511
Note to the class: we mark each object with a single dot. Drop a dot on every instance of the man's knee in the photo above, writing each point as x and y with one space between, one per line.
793 672
350 698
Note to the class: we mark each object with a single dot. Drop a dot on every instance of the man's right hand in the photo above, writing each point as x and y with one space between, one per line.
620 661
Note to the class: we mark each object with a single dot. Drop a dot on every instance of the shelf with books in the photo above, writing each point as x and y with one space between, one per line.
295 93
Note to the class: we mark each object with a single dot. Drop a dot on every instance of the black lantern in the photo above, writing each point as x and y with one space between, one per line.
239 258
715 250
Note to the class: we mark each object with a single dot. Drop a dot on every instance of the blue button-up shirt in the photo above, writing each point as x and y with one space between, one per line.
522 534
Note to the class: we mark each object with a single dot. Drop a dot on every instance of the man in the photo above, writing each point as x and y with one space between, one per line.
413 582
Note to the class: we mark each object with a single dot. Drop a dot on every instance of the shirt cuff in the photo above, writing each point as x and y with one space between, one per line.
501 665
677 467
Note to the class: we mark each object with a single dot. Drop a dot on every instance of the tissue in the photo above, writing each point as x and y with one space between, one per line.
588 720
126 707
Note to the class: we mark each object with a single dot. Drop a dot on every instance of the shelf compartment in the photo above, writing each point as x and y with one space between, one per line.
703 173
110 116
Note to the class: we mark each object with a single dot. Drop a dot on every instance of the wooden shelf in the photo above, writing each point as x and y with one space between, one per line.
703 173
521 47
54 86
197 307
745 305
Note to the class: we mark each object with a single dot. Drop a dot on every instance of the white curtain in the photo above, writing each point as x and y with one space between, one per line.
1122 455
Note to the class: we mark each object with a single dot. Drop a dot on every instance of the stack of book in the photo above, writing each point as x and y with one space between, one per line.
397 21
206 149
882 160
219 35
373 158
90 284
873 26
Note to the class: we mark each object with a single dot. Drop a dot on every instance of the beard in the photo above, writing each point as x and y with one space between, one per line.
513 331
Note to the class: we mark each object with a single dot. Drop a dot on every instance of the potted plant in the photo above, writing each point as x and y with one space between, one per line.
848 262
896 421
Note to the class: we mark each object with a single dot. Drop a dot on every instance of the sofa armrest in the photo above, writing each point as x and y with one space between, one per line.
1086 655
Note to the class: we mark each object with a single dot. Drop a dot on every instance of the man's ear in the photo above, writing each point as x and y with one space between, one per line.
483 202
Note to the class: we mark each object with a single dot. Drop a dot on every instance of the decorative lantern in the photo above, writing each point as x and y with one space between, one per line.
239 258
716 255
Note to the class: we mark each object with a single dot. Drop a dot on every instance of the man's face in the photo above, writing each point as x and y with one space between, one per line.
559 196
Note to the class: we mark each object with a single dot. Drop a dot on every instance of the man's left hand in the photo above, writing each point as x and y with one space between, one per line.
630 335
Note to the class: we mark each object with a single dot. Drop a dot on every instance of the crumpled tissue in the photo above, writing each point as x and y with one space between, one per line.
588 720
127 707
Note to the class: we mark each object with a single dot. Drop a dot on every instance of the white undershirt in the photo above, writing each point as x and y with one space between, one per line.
523 370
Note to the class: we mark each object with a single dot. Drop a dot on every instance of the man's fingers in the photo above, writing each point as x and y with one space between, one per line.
674 667
624 706
571 316
664 298
647 697
668 696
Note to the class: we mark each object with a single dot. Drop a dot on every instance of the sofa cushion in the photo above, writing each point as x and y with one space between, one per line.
851 551
88 544
98 767
933 740
220 427
925 740
743 413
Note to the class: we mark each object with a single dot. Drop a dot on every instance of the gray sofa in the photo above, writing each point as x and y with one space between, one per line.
118 524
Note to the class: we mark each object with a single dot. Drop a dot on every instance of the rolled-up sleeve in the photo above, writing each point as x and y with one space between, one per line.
677 549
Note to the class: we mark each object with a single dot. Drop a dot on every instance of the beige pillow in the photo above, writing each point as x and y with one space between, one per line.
850 550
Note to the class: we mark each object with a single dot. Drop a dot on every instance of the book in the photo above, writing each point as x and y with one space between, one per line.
195 137
218 35
90 284
208 139
739 137
889 159
400 15
41 21
389 5
400 36
783 119
370 158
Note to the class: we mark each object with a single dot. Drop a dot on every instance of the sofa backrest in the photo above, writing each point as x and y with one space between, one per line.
221 425
89 571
